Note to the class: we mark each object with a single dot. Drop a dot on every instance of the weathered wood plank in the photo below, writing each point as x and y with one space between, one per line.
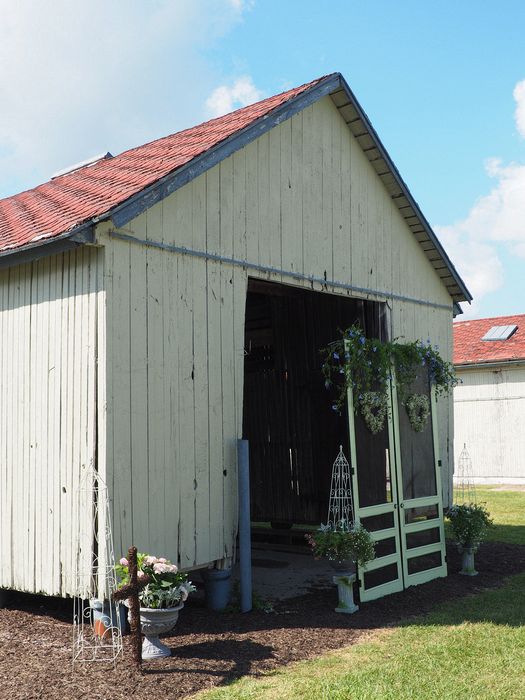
214 368
200 375
251 202
296 235
273 233
263 174
330 179
172 331
309 191
120 394
157 416
139 389
7 482
229 458
53 400
186 396
288 244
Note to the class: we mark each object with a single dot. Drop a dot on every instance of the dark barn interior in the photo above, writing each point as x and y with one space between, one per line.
294 433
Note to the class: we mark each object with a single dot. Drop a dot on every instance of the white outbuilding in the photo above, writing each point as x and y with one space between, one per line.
489 402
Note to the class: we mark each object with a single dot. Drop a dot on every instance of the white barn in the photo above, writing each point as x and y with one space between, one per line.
489 403
142 308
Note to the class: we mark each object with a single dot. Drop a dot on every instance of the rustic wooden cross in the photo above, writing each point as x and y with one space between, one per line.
131 592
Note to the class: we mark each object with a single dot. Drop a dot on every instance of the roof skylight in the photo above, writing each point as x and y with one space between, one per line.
500 332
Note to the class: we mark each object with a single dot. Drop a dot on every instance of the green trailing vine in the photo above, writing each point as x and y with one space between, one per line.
365 365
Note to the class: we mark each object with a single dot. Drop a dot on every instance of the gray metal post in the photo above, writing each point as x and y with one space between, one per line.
245 545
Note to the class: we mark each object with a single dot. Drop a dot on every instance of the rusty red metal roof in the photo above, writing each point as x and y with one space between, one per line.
68 201
470 349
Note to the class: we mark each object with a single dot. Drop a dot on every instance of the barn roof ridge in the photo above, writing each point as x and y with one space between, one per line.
132 181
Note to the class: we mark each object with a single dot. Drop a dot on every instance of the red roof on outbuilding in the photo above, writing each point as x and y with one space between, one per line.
69 200
469 349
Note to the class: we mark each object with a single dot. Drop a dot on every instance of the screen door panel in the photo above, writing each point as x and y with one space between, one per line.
375 503
420 499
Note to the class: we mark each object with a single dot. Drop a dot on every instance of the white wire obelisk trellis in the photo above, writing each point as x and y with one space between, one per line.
464 489
96 631
340 508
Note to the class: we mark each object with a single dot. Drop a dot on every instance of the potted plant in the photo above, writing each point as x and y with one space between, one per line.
343 545
469 526
160 599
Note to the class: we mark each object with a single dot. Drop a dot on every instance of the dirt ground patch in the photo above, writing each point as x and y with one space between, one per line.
210 648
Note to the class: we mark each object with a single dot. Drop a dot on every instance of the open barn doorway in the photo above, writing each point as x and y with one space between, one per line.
293 432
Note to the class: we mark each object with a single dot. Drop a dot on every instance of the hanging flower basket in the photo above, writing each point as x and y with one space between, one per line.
418 410
364 365
374 409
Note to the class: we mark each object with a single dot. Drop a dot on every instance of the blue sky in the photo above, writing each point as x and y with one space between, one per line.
439 81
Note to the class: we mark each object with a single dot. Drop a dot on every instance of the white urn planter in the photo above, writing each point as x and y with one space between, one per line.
467 562
344 580
153 622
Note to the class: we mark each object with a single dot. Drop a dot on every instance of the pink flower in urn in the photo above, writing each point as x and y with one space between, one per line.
166 588
160 568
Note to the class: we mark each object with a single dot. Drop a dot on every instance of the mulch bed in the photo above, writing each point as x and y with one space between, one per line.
212 649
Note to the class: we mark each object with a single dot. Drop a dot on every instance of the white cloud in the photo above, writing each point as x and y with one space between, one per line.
495 222
226 98
78 78
242 4
519 96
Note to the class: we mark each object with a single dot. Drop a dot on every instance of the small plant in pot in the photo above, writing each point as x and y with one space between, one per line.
343 545
469 523
160 599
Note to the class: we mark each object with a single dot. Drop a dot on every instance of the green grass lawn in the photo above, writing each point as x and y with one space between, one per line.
468 649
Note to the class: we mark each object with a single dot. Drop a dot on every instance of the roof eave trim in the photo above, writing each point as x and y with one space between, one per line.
457 310
80 235
138 203
489 364
404 188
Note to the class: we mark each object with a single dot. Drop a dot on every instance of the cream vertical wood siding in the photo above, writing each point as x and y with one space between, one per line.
302 198
489 410
50 311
